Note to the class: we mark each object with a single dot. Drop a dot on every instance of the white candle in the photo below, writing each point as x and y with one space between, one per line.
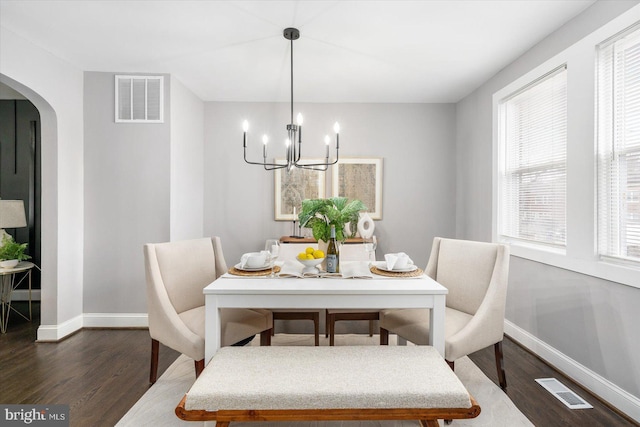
294 212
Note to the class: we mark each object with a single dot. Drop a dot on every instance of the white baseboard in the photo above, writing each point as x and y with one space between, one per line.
58 332
116 320
598 385
48 333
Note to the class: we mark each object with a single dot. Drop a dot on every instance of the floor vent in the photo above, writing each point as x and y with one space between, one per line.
563 394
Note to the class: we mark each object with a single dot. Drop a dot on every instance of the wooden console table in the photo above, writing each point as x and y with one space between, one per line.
311 240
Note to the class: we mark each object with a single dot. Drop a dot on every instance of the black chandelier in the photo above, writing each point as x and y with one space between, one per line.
294 132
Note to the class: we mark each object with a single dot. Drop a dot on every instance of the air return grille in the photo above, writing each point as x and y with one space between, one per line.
139 99
563 394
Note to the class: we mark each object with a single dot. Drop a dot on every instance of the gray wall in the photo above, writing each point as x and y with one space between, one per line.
126 198
417 142
593 321
187 167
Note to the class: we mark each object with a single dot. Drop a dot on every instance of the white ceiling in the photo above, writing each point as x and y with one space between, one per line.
349 51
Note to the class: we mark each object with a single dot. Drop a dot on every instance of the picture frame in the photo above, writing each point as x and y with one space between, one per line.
359 178
292 187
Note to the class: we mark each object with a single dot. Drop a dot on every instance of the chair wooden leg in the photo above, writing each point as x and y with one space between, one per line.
332 329
153 374
326 324
199 364
316 329
384 336
371 328
502 376
452 366
265 337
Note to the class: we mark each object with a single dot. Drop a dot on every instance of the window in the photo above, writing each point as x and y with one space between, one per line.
618 111
139 99
532 162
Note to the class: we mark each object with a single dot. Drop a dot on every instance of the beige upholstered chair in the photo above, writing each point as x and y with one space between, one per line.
177 272
476 274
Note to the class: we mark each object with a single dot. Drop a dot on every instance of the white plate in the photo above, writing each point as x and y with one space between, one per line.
239 266
383 266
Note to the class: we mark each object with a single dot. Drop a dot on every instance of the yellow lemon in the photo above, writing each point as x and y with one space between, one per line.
302 255
310 256
309 250
317 254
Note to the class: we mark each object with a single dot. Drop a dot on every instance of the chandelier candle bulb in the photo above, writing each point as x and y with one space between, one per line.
245 128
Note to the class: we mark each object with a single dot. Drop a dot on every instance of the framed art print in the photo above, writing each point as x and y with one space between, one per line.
292 187
359 178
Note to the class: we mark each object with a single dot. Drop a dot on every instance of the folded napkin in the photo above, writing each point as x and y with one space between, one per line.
399 261
245 257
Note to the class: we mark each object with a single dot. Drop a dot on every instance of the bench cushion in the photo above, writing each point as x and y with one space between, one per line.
254 378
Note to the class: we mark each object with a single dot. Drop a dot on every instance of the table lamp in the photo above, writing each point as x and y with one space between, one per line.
11 216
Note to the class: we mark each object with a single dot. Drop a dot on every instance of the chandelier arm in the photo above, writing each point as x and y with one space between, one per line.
273 167
306 165
264 163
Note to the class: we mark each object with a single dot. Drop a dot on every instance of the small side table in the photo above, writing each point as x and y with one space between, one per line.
10 279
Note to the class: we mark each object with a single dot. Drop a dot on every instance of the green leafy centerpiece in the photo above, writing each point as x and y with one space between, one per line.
320 214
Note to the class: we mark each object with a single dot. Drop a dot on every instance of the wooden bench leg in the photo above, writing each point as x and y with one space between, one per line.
429 423
502 376
153 373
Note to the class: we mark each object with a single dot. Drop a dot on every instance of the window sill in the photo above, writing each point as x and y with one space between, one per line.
608 270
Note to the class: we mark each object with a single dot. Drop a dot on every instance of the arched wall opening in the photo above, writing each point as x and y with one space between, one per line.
49 201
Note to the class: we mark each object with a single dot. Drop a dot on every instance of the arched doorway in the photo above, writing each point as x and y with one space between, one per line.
47 202
20 177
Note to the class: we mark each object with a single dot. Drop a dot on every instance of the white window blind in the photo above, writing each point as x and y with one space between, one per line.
618 109
533 136
139 99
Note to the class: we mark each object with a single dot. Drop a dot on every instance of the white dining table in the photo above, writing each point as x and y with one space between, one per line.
380 292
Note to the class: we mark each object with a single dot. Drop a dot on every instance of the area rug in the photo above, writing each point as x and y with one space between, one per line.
156 407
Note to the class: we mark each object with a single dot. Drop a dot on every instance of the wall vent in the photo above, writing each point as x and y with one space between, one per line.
563 394
139 99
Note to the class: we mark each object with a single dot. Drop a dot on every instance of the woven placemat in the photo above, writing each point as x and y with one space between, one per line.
265 272
414 273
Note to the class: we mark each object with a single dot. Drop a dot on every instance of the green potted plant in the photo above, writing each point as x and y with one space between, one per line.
320 214
11 252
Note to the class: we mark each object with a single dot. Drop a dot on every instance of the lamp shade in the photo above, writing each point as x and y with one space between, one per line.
12 214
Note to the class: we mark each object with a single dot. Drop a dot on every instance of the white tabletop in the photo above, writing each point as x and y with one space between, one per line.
379 292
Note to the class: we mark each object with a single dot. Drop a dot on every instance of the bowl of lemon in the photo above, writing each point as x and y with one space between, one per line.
310 258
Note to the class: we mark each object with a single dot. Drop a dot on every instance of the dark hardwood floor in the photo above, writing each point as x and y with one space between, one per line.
542 408
101 373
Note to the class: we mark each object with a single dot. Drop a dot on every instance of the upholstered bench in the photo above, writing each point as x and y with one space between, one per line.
327 383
